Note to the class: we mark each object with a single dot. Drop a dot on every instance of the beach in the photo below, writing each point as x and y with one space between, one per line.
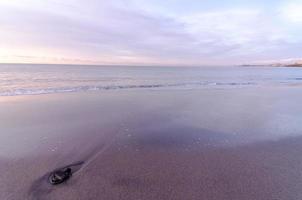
154 144
150 100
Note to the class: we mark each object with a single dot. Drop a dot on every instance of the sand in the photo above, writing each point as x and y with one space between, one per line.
168 144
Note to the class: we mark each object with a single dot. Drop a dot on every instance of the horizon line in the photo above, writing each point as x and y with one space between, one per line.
119 65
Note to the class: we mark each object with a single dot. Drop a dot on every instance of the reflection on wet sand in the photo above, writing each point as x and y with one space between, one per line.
160 150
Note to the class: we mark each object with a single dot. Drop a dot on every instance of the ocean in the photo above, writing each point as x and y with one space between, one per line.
35 79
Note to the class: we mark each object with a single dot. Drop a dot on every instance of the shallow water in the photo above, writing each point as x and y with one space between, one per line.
159 118
43 79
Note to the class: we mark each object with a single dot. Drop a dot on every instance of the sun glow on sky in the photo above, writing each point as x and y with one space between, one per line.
149 31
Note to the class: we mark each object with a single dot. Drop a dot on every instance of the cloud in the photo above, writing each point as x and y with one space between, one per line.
292 11
121 33
116 32
246 28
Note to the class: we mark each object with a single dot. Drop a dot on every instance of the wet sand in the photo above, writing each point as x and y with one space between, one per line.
169 144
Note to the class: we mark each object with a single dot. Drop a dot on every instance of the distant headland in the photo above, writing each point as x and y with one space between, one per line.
277 64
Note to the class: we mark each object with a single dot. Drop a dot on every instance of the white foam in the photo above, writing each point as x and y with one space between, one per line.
40 91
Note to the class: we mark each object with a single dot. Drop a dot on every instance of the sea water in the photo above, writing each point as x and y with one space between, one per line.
35 79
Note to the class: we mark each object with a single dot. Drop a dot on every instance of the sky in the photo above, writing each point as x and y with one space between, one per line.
150 32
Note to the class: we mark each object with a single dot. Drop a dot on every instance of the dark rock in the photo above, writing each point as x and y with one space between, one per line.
59 176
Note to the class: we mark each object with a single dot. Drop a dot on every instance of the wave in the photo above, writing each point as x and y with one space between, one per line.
39 91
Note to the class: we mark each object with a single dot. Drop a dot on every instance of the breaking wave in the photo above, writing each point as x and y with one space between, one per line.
50 90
